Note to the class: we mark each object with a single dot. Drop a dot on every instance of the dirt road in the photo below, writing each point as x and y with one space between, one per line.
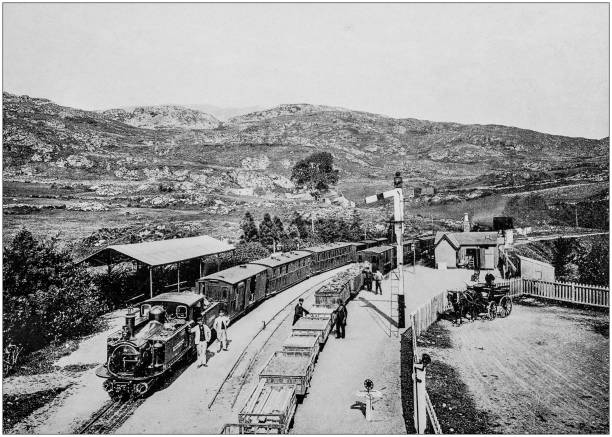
544 369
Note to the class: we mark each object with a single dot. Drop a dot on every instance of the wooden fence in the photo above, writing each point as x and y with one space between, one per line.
427 314
583 294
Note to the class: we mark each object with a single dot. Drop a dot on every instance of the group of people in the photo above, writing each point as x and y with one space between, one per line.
369 277
203 336
339 316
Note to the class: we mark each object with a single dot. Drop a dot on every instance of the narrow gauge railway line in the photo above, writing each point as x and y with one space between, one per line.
254 349
110 417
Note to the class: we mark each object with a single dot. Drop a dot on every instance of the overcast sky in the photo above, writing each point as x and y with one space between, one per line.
536 66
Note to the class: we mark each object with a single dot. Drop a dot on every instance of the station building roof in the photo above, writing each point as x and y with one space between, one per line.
235 274
458 239
278 259
159 253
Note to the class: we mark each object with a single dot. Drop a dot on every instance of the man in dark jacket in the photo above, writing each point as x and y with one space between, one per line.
367 278
341 315
299 311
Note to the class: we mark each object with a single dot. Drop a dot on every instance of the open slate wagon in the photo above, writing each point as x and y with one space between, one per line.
316 327
270 409
290 368
320 312
328 295
305 344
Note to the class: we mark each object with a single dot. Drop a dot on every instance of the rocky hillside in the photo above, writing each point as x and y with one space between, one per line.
188 148
163 117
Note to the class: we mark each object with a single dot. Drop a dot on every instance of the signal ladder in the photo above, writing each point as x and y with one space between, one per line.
394 314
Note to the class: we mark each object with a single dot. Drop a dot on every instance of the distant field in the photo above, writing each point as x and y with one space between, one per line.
478 208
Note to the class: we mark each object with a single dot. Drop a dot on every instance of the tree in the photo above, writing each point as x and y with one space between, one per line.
355 232
316 172
563 255
593 265
249 229
267 231
301 225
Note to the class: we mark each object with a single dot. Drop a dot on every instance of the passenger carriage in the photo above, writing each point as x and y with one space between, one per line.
237 288
286 269
380 258
330 256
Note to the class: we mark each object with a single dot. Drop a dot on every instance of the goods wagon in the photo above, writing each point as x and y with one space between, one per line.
286 367
269 410
381 258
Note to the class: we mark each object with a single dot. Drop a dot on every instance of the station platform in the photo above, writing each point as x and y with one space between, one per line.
332 405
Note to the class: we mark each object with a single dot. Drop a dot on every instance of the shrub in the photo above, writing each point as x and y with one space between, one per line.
46 296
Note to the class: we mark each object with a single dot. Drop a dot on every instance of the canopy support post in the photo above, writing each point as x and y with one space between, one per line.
151 280
178 276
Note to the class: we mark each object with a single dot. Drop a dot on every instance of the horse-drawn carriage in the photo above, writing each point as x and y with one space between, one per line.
481 300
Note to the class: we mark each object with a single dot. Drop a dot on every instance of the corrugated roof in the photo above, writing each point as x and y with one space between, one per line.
278 259
378 249
235 274
157 253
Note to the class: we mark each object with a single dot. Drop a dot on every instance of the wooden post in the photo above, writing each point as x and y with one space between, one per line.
178 276
573 292
151 280
200 261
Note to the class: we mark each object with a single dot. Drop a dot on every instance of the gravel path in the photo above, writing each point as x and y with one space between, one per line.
544 369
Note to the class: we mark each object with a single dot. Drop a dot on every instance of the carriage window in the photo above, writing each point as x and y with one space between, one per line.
225 291
181 312
144 310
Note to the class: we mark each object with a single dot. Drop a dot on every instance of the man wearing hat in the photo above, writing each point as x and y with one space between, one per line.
299 311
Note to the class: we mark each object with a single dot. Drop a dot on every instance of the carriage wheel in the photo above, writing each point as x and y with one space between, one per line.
505 305
492 310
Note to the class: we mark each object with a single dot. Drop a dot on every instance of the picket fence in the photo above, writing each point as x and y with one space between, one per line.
570 292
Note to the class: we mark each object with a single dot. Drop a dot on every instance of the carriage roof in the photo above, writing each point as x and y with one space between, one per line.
278 259
235 274
326 247
188 299
378 249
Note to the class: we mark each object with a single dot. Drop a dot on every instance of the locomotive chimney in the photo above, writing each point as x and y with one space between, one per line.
130 322
466 223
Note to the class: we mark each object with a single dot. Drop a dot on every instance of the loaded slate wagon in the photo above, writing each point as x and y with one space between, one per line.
304 344
289 368
328 295
269 410
316 327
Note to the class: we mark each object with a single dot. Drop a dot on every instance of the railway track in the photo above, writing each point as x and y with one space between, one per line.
254 348
110 417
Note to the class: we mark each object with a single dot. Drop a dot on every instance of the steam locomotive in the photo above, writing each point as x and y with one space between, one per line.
153 340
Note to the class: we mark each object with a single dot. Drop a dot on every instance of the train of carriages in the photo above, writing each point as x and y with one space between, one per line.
157 335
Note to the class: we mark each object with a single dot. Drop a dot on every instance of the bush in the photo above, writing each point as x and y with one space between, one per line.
46 296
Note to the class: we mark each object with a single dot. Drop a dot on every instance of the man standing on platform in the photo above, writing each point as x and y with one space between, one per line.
378 277
299 311
220 326
341 315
